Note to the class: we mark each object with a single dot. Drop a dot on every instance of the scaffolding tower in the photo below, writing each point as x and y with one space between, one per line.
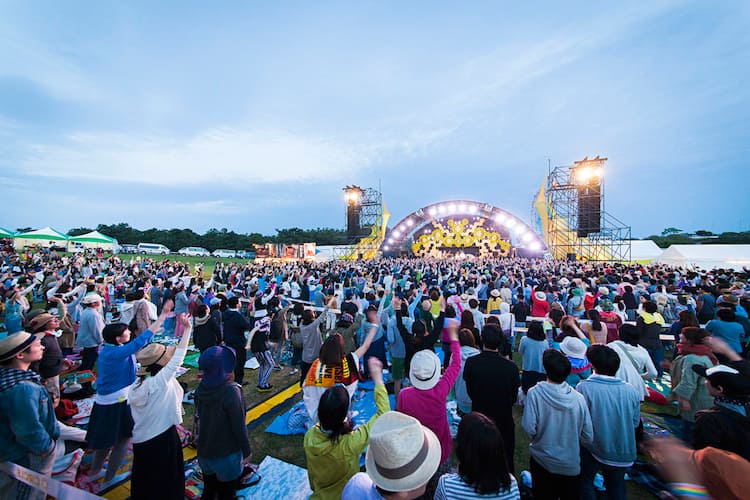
564 235
367 219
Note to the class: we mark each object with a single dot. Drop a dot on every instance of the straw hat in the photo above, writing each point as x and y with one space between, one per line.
402 454
15 343
153 354
39 321
424 371
540 296
495 292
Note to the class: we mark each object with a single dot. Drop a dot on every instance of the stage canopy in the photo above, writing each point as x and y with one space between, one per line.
707 256
462 228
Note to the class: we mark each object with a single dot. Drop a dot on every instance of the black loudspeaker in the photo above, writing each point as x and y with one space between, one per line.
571 257
589 209
353 230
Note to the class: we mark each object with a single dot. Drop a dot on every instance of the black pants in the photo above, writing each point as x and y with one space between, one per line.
158 469
303 369
88 358
549 486
215 489
239 365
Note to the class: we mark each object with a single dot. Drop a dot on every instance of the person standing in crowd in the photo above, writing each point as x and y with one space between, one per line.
726 425
651 323
222 444
67 339
689 389
181 304
557 421
156 293
235 326
258 345
28 426
90 330
333 445
540 306
532 348
615 409
141 320
53 362
312 340
426 399
706 305
483 470
492 384
402 457
727 328
635 364
575 350
333 367
111 423
156 406
468 349
207 332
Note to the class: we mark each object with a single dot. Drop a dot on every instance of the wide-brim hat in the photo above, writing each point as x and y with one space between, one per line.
732 382
153 354
91 298
15 343
424 371
563 282
495 292
573 347
464 297
603 290
39 321
216 364
403 454
540 295
731 298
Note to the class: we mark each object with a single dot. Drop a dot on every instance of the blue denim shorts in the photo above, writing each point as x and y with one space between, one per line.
226 468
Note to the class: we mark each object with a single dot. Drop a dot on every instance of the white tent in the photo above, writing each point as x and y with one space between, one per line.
644 250
45 237
707 256
94 239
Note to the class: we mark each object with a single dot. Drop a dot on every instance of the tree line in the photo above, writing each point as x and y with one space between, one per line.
675 236
174 239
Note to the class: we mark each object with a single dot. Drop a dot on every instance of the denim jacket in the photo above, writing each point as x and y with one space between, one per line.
27 417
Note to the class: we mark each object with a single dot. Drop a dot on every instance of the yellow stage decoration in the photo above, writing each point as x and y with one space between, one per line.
461 234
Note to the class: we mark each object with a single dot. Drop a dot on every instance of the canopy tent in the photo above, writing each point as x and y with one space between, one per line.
706 256
45 237
5 233
94 239
644 251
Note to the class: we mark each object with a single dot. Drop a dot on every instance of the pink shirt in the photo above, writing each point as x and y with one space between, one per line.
429 406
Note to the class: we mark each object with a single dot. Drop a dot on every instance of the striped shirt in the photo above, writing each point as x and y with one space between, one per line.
451 486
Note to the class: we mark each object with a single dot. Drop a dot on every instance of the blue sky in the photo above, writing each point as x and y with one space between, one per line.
254 115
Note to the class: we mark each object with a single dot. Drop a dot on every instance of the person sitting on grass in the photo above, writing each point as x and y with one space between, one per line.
333 446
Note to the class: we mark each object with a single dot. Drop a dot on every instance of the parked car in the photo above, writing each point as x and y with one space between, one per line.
126 248
194 252
227 254
153 248
245 254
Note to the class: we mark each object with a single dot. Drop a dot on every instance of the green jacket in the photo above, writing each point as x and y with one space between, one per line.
331 464
689 385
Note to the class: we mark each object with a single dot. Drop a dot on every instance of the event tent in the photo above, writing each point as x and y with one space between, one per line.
45 237
94 239
5 233
644 251
707 256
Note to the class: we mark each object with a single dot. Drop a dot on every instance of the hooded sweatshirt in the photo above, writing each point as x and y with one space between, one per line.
221 421
558 422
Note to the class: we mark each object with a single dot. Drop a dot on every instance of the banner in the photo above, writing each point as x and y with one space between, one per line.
50 486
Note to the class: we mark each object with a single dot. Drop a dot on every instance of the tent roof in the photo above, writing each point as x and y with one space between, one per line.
4 233
93 237
46 233
707 256
644 249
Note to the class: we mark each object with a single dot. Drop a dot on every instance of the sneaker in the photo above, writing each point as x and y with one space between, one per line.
264 389
277 368
294 372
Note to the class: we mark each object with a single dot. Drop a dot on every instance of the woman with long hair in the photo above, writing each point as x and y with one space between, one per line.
333 445
685 318
597 331
468 323
156 406
482 467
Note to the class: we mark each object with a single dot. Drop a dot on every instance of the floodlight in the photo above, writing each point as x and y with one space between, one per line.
526 237
410 222
432 211
452 208
441 209
386 248
535 245
472 209
500 218
462 208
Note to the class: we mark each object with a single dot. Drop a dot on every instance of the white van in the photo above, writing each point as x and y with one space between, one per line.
153 248
228 254
194 252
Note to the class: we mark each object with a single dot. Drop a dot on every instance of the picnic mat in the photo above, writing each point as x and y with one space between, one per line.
294 420
191 360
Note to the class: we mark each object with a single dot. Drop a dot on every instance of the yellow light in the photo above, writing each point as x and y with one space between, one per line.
584 175
352 196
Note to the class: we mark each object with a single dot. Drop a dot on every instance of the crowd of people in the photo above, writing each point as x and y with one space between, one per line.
573 343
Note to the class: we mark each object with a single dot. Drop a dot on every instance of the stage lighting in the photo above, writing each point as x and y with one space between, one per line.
472 209
452 208
432 211
410 222
510 223
535 246
441 209
500 218
586 174
462 208
386 247
397 233
391 241
526 237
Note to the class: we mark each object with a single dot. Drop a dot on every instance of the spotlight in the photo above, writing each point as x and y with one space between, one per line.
441 209
386 247
397 233
510 223
535 246
432 211
500 218
526 237
391 241
410 222
472 209
462 208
